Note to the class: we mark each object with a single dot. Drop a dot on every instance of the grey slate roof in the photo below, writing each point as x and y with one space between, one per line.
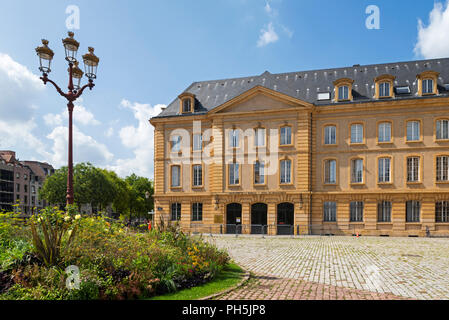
305 85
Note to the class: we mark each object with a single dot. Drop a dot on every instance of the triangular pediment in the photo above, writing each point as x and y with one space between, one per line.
261 99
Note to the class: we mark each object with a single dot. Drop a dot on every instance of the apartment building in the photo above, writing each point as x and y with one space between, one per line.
361 149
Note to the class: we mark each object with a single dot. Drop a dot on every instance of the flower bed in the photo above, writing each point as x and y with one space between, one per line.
114 262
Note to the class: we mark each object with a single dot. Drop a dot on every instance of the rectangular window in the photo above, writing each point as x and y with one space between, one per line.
25 188
427 86
442 129
384 211
286 135
186 105
384 132
442 211
357 133
412 169
330 211
330 136
197 212
384 89
343 93
259 138
442 168
175 211
18 187
176 176
413 209
384 166
176 144
259 172
413 131
197 142
33 189
356 211
357 171
286 166
330 172
234 177
234 138
197 175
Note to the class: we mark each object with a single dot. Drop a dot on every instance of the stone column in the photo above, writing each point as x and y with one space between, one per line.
246 217
271 218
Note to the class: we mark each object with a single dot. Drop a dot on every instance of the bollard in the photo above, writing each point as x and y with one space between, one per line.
292 231
221 229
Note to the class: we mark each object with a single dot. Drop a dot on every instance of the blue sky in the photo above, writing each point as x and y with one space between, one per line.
151 51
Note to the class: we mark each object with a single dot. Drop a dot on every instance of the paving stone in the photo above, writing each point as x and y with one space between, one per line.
353 268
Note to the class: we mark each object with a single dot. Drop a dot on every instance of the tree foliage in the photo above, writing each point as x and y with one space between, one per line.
130 197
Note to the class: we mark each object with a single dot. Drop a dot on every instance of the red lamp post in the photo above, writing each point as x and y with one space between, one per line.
75 91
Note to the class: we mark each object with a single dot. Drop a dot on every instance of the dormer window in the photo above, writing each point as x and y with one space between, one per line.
186 105
343 93
427 86
384 86
427 83
384 89
343 89
187 101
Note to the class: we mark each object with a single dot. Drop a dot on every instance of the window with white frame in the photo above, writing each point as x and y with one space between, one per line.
357 133
343 93
413 209
197 212
427 86
442 168
175 211
234 138
384 167
286 135
330 135
357 171
384 132
234 177
384 89
176 144
330 211
259 138
442 129
259 172
330 171
442 211
175 176
197 175
197 142
356 211
384 211
286 166
413 169
413 130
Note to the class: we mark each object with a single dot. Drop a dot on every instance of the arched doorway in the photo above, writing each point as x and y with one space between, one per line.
234 218
259 218
285 219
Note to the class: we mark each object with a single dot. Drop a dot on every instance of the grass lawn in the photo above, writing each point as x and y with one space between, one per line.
229 277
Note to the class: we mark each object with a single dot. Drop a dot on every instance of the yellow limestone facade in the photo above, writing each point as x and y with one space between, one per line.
301 202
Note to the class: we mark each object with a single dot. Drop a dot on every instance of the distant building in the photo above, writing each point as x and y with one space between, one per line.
20 182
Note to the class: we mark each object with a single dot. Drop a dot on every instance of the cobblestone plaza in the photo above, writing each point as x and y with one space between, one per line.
314 267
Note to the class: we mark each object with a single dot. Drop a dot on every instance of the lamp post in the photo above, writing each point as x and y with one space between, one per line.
75 90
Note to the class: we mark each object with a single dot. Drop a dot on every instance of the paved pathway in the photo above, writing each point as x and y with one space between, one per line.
314 267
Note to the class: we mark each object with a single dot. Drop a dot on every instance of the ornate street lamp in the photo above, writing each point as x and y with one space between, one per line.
75 90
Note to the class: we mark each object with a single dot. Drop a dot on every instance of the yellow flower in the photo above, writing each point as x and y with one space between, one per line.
67 218
78 216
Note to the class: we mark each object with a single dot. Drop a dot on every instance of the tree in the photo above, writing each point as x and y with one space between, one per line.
140 196
54 189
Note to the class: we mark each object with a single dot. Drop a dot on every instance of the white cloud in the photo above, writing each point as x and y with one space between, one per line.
80 115
433 40
85 148
268 8
287 31
267 36
110 132
19 88
139 139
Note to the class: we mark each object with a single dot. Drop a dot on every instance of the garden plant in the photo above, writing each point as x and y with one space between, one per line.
114 261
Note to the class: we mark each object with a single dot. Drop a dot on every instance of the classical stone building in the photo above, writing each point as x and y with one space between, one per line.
361 149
